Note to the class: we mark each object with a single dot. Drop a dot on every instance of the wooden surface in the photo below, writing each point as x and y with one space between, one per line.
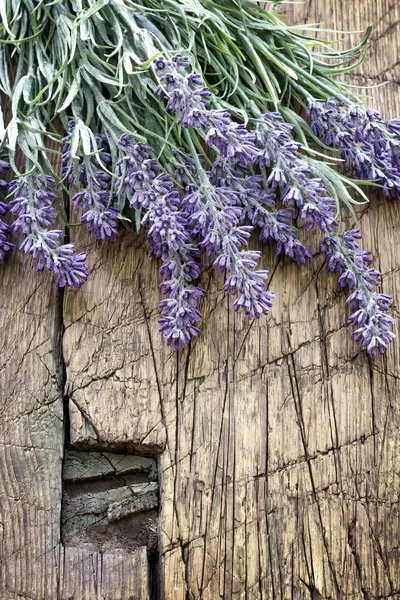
278 443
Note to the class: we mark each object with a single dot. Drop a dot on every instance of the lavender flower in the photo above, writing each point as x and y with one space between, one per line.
293 175
187 95
364 139
215 219
5 245
94 197
232 139
135 171
185 169
352 264
32 204
259 209
169 237
100 217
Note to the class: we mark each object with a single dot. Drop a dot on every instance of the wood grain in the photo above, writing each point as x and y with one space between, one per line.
277 443
93 575
31 431
279 466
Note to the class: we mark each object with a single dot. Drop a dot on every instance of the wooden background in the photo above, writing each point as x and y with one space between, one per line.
278 443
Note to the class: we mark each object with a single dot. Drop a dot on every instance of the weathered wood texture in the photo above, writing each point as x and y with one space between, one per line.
280 440
278 443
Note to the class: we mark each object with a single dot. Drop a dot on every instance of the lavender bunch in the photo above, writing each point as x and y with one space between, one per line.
5 244
270 145
95 195
260 177
225 198
32 204
169 236
370 307
364 138
239 147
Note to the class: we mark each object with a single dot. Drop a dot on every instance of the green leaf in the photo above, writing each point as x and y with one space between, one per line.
73 92
75 140
90 12
12 134
4 18
17 94
2 128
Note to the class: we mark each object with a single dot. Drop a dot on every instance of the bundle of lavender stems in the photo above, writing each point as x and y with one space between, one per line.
199 190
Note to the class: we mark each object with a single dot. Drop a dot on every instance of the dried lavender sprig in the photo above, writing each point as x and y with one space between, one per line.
259 209
135 171
94 196
5 245
271 145
352 264
293 175
32 204
169 238
185 93
188 96
233 140
215 219
364 138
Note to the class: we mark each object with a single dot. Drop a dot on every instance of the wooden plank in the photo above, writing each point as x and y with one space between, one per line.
108 353
31 431
104 575
280 440
279 444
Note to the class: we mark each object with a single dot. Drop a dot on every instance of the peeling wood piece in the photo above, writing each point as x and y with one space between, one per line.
89 466
93 505
144 497
110 500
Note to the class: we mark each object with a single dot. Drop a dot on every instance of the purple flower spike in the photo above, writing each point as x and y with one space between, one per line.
258 208
292 174
94 196
5 245
100 217
352 264
32 203
232 140
215 219
187 95
168 233
365 140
